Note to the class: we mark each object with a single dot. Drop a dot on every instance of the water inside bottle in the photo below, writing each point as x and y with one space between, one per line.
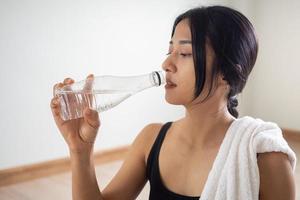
106 99
73 103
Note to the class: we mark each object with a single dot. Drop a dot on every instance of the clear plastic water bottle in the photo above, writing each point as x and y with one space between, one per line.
103 92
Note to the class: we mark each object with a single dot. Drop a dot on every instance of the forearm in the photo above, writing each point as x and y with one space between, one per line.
84 182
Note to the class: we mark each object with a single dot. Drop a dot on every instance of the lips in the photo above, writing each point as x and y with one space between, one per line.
169 84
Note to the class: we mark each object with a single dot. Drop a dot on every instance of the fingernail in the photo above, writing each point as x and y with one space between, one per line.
91 76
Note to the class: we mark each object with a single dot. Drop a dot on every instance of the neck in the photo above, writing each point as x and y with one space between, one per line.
205 124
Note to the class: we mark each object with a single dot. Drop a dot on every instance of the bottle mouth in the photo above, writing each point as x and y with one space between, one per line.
158 78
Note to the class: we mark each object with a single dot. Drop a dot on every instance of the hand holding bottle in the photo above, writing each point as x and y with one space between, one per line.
75 106
80 133
103 93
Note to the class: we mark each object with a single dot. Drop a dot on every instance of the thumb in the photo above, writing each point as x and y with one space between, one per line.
92 118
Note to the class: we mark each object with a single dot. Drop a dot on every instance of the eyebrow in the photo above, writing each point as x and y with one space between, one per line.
182 42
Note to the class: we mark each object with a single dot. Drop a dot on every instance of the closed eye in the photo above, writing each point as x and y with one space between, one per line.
182 54
185 54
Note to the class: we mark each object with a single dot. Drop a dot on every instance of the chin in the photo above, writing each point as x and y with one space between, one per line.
174 100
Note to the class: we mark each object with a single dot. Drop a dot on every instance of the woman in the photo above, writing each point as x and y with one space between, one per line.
211 54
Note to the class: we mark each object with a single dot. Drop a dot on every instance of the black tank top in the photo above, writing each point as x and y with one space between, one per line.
158 191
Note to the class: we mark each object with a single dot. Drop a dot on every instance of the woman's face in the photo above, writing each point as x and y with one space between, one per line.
179 67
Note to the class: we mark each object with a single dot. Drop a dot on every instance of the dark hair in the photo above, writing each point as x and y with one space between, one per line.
232 38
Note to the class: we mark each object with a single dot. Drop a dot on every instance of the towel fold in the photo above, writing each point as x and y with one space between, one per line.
235 174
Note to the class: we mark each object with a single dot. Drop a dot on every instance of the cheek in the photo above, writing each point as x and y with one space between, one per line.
188 79
182 94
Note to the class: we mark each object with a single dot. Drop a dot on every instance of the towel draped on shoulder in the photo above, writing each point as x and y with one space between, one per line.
235 174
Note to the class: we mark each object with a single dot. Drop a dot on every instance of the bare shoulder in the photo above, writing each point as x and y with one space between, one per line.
131 177
147 137
276 176
150 130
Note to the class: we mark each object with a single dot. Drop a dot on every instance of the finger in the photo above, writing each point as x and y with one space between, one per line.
92 118
88 87
90 126
54 103
55 108
68 88
61 99
68 81
55 87
68 98
88 83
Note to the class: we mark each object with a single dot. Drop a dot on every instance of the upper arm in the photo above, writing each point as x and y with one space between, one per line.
276 177
131 178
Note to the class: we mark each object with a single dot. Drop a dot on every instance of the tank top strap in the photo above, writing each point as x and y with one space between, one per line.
154 152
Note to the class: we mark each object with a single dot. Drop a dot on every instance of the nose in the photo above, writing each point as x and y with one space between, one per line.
168 65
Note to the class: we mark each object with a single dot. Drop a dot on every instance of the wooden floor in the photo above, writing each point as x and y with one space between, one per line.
58 187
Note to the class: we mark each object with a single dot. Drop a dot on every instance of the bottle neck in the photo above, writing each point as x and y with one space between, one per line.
157 78
154 79
145 81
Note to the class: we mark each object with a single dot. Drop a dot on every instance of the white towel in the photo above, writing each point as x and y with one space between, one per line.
235 174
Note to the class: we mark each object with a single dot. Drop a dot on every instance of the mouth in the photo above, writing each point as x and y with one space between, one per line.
170 84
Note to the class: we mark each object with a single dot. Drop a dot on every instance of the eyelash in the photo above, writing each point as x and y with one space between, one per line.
182 54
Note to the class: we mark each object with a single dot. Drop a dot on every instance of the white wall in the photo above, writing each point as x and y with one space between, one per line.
41 42
273 90
245 7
